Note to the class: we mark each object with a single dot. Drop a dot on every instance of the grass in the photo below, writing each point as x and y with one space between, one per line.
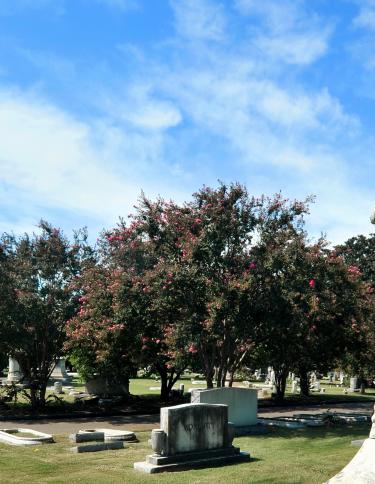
281 456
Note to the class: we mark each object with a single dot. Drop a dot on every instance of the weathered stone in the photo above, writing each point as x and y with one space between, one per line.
106 386
21 436
353 384
87 437
14 372
111 435
57 387
242 403
158 441
192 435
98 447
59 371
206 461
192 427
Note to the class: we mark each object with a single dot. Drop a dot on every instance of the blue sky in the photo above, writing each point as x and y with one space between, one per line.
100 99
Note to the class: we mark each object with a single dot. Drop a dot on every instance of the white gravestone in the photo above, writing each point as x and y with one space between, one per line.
192 435
14 373
242 403
353 384
59 371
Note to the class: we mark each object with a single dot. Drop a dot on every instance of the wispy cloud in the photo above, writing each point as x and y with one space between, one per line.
199 19
205 104
366 15
55 160
287 30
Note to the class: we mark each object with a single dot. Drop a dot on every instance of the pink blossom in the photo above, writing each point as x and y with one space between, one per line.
312 283
354 270
192 349
253 265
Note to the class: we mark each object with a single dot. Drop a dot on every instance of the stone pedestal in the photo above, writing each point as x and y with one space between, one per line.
14 373
192 435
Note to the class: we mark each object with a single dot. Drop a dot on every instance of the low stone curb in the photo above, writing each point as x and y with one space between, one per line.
98 447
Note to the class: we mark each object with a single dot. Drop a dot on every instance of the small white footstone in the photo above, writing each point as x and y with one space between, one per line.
361 469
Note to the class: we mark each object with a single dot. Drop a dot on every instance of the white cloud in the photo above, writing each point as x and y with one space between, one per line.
287 31
141 109
199 19
276 133
57 161
366 16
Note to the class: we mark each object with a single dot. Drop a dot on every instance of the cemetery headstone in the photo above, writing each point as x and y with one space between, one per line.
353 384
192 435
14 372
242 403
59 372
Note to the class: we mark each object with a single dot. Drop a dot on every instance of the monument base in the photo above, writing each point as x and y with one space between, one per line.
361 469
205 458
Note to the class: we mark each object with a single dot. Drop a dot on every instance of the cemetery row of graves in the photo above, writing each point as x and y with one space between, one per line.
221 285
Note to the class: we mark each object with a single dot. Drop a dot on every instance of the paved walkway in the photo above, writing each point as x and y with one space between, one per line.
148 422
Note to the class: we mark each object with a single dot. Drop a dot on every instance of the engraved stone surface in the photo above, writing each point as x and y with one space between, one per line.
192 427
192 435
242 403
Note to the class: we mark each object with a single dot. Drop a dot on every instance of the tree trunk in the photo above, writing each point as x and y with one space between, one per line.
164 391
304 382
208 364
231 378
280 382
210 382
219 377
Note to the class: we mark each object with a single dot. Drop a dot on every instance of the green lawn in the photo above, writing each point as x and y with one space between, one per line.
282 456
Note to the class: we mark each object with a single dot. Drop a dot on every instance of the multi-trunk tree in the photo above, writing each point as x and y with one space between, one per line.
37 300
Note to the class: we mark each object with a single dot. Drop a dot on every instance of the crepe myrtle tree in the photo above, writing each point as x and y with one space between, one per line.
131 299
98 343
39 270
202 253
209 282
359 255
314 306
201 264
